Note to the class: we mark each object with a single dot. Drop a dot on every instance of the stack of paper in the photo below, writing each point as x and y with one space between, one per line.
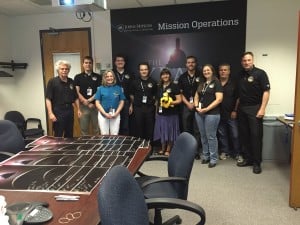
289 116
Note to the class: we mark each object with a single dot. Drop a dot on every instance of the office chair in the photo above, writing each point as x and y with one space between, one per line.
23 125
11 140
121 200
180 163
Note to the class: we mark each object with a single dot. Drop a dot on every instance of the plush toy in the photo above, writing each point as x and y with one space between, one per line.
166 100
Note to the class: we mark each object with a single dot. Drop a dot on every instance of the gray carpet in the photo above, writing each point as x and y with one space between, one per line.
231 195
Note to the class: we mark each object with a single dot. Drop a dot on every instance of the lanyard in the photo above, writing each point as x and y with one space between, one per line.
191 80
120 77
142 86
204 90
205 87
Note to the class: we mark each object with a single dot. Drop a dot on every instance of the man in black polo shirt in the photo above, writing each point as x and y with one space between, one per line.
86 84
142 97
60 97
188 83
124 80
254 92
228 135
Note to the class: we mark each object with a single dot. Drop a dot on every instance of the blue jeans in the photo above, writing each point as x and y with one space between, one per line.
229 136
208 125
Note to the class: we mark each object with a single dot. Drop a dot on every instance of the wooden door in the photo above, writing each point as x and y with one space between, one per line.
63 41
295 164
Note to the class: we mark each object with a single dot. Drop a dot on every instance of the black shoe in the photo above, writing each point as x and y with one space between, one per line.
256 169
244 163
197 156
205 161
211 165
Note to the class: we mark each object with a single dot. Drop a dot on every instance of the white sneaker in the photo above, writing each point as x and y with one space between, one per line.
223 156
239 158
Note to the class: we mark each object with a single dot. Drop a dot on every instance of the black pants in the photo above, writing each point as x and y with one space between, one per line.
63 127
251 133
144 119
189 125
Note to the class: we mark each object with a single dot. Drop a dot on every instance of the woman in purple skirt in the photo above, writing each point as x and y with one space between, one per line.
168 99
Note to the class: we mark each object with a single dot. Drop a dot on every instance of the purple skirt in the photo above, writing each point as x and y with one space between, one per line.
166 128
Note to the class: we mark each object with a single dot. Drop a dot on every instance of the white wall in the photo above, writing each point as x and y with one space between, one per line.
272 29
25 91
7 84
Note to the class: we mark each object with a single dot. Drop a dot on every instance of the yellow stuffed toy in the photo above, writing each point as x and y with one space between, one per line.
166 100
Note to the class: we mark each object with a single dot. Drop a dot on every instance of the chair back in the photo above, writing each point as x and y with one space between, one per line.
121 200
181 160
11 139
17 118
30 128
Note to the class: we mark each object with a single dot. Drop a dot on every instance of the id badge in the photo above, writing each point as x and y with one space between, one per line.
160 109
111 111
191 99
144 100
199 105
89 92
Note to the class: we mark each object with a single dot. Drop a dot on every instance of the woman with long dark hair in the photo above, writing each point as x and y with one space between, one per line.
208 97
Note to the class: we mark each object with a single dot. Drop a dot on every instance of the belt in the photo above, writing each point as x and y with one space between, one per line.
65 105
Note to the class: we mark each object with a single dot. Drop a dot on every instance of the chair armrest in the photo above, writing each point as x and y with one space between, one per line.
7 153
153 158
164 179
172 203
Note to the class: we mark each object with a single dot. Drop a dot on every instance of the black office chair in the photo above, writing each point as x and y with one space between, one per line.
180 163
23 125
121 200
11 140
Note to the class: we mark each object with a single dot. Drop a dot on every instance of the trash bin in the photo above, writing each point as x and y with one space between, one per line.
276 140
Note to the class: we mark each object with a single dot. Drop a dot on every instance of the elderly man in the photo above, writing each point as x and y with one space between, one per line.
61 95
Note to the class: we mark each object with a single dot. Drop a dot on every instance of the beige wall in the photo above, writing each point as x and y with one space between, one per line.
271 30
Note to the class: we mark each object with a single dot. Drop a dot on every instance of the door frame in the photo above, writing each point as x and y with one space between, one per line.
52 30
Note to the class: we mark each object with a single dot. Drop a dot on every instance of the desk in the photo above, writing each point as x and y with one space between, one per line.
288 123
87 204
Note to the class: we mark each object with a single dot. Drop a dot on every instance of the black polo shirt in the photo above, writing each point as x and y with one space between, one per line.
140 88
207 94
124 80
252 85
61 93
88 82
230 95
188 85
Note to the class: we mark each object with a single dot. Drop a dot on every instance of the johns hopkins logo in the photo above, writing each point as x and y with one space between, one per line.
120 27
134 27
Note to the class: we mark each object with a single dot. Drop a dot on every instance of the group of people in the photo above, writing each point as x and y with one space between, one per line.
224 114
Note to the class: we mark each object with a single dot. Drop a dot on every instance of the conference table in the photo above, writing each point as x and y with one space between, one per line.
40 174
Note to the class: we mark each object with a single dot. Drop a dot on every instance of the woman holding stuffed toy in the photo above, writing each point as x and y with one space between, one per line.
208 97
168 99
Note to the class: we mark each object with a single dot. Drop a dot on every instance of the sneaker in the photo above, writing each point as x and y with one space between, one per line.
239 159
197 156
205 161
224 156
211 165
256 168
245 163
